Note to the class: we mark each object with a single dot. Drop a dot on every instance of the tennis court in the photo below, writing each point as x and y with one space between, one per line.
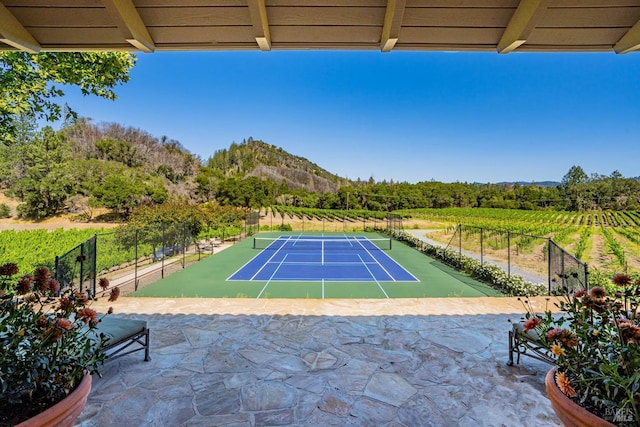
323 265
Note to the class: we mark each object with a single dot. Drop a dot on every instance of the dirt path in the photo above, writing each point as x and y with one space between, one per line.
48 224
531 277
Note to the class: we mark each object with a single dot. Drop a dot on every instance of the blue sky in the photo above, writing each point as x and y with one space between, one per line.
406 116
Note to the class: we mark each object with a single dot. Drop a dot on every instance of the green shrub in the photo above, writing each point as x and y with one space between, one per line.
5 211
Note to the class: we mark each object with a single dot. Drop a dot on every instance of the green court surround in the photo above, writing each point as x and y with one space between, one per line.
207 278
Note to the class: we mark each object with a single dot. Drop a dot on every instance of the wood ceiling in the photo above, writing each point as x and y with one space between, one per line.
452 25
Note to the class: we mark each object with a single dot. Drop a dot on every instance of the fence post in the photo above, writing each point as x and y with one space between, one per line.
508 254
481 247
549 263
95 263
184 243
460 244
82 267
135 264
56 274
162 255
586 277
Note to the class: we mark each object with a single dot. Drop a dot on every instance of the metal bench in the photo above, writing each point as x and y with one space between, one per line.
524 342
124 336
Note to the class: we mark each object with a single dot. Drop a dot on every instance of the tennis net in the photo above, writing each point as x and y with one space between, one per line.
321 244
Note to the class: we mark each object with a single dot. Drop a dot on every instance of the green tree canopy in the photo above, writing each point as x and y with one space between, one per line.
29 83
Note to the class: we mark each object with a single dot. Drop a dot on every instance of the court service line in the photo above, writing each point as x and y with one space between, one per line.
383 253
377 262
271 278
257 256
374 277
270 258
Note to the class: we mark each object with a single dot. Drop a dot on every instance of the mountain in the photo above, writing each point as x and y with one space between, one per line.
259 159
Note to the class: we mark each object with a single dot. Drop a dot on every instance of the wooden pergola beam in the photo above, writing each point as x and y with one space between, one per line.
131 24
260 23
13 33
630 41
521 24
392 23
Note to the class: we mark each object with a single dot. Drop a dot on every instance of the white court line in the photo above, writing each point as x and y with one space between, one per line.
270 258
271 278
374 278
398 264
250 261
377 262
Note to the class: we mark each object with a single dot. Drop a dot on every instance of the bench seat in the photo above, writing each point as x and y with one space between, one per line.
124 336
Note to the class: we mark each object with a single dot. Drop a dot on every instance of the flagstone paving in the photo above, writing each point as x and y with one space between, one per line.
430 362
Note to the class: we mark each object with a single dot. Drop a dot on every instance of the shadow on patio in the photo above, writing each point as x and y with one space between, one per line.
292 369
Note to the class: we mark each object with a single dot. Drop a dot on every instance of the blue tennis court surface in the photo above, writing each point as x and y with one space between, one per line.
323 259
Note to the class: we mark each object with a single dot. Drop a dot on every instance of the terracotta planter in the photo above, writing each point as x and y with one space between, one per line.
63 413
569 412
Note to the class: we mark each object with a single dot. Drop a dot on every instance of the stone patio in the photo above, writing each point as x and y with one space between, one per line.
242 362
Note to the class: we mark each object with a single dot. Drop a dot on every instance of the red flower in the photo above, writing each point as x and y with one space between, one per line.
64 323
66 304
115 293
88 315
9 269
553 334
621 279
579 294
54 286
24 285
568 338
81 297
597 293
532 323
42 322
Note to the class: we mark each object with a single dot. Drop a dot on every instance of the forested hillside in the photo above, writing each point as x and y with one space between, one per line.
85 166
253 158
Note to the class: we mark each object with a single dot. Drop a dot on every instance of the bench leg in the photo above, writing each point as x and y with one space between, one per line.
146 346
511 349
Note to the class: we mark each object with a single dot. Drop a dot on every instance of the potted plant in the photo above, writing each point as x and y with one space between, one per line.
49 347
596 343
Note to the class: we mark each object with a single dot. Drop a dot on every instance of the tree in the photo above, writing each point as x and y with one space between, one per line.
28 82
120 193
46 182
575 176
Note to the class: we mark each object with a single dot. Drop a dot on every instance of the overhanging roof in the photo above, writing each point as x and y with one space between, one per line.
451 25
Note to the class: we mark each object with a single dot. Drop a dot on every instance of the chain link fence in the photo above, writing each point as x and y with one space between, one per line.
135 257
537 259
77 267
566 272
